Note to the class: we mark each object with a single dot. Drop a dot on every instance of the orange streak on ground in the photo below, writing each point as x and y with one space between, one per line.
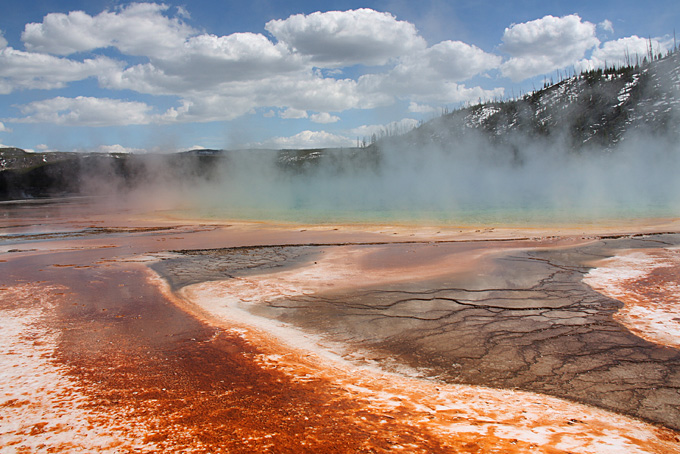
472 419
217 392
212 394
648 283
128 372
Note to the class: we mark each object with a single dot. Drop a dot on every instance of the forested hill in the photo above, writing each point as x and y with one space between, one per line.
596 109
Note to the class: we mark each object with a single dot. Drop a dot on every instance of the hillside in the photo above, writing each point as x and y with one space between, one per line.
593 112
30 175
596 109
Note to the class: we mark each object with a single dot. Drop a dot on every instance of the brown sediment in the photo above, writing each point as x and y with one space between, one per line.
156 380
462 416
518 317
188 387
148 376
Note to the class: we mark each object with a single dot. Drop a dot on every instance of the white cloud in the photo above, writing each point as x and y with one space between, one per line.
183 13
135 29
144 78
211 60
269 114
345 38
543 45
28 70
395 127
430 75
324 118
307 139
449 60
4 128
606 25
3 41
630 50
85 111
424 90
291 113
305 92
301 91
207 107
319 94
420 108
219 78
116 148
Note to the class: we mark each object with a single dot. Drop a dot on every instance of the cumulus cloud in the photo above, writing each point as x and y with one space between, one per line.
183 12
395 127
205 63
345 38
543 45
324 118
426 90
294 70
206 108
307 139
291 113
28 70
624 51
449 60
115 148
135 29
420 108
240 56
323 139
3 41
235 74
181 61
431 75
4 128
606 25
294 94
85 111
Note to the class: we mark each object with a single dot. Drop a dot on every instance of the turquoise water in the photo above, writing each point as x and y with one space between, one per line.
481 216
453 187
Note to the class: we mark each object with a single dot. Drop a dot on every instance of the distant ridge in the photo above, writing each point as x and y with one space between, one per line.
594 111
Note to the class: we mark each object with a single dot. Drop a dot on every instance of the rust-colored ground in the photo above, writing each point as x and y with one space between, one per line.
103 357
647 281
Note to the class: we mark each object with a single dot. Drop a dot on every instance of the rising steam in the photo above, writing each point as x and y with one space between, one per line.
469 181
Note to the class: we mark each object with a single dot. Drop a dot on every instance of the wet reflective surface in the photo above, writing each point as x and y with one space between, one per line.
520 320
101 354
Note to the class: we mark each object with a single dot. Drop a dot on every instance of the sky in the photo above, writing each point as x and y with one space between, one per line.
112 76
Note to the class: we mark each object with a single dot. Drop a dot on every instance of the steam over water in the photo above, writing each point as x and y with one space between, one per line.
469 182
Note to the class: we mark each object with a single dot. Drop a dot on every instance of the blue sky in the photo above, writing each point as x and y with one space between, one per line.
118 76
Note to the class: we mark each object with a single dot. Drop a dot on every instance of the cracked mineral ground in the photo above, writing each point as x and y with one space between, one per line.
521 319
129 332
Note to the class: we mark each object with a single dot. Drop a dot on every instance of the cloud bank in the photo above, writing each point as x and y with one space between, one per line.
346 38
625 51
307 66
544 45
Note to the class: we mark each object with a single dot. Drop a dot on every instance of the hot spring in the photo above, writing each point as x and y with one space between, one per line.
465 185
